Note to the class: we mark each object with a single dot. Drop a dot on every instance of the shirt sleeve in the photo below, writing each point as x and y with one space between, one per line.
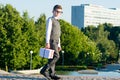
59 43
48 30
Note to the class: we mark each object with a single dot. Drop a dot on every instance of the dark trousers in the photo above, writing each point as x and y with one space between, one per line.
50 66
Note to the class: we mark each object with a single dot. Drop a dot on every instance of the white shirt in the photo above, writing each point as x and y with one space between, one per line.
48 31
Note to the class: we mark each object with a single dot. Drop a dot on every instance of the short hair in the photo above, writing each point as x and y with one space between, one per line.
57 7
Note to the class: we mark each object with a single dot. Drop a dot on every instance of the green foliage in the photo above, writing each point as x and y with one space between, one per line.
18 36
100 35
31 40
40 25
10 25
115 35
70 68
40 28
75 43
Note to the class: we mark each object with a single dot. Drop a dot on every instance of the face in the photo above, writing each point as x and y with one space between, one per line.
57 12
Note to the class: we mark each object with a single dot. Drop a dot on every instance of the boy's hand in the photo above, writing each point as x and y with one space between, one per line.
47 45
59 49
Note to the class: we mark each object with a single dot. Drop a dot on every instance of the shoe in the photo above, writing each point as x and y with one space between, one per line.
55 77
45 74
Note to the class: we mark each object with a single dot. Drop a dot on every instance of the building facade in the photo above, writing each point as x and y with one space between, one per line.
88 14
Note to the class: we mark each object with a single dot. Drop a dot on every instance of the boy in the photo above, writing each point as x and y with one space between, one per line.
53 42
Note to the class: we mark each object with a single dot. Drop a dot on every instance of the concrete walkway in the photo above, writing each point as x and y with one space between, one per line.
40 77
16 76
10 76
3 72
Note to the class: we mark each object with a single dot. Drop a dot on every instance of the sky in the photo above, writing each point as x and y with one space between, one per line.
37 7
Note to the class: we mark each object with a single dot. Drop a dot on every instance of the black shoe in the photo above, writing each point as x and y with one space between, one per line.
45 74
55 77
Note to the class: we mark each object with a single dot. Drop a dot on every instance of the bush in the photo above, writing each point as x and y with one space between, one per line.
70 68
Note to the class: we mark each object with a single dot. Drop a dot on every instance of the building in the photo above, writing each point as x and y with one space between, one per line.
88 14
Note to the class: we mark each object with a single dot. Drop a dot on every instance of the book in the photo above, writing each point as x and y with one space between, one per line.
46 53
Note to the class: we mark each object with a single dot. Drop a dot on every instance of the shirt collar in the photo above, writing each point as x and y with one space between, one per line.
55 17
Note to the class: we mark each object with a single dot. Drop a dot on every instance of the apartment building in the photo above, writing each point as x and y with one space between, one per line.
88 14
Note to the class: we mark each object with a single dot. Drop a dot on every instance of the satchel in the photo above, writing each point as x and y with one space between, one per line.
46 53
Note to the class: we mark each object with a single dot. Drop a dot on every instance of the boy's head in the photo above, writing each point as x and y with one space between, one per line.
57 10
57 7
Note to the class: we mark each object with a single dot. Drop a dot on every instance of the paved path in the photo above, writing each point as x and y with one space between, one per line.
10 76
40 77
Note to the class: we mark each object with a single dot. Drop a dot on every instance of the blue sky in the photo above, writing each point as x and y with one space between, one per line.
37 7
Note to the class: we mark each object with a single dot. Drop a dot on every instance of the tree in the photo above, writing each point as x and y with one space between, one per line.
18 37
32 40
10 26
100 36
74 43
40 28
114 35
